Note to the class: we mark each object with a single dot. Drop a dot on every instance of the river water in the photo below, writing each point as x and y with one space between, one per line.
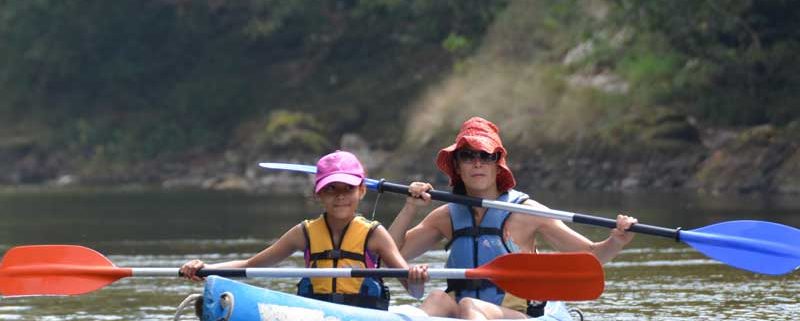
653 279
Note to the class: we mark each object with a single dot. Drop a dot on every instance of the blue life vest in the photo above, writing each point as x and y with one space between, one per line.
472 246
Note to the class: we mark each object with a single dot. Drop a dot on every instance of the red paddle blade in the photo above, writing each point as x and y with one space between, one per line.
550 276
55 270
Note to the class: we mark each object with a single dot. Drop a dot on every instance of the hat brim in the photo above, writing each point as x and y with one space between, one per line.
445 160
348 179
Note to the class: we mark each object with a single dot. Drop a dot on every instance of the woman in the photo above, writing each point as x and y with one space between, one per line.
476 166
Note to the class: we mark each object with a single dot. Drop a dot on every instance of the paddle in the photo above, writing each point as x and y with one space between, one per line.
72 269
756 246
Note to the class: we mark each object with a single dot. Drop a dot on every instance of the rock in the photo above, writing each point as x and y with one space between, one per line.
285 183
64 180
228 183
787 177
579 53
183 182
629 183
604 81
715 138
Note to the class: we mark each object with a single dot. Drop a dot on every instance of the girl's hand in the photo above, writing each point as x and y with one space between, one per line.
417 276
620 234
419 194
189 269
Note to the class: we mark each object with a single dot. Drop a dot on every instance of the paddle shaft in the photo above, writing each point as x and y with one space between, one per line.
382 186
120 272
692 237
303 272
348 273
757 246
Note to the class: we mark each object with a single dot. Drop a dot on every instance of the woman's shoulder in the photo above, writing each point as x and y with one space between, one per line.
439 214
528 218
533 203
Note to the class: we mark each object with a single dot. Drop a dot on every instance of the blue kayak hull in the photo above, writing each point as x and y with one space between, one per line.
245 302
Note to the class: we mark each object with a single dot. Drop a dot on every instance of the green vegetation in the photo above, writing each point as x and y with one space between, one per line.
728 62
293 132
130 81
135 79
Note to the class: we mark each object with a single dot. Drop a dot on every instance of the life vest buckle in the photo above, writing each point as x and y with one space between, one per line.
337 298
335 254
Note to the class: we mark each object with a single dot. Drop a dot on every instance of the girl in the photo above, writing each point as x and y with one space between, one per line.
337 238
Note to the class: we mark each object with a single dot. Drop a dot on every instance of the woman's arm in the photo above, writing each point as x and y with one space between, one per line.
402 221
427 234
619 237
563 238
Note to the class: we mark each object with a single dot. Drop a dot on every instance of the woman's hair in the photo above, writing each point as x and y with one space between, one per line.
459 188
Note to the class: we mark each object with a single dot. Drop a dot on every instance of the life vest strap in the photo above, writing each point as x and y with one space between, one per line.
477 231
335 254
473 231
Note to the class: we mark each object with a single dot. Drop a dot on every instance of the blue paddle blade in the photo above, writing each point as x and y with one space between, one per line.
291 167
370 183
757 246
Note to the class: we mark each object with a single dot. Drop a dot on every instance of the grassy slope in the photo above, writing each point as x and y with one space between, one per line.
565 135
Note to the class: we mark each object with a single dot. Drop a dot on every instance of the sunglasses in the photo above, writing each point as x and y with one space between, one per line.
466 155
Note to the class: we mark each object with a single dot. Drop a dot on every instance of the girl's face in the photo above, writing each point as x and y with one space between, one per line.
341 200
479 172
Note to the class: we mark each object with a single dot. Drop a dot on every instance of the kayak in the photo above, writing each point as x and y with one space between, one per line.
228 300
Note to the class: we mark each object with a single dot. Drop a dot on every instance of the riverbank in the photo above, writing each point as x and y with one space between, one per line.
759 159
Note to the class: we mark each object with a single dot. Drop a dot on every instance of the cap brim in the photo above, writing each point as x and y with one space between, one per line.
338 177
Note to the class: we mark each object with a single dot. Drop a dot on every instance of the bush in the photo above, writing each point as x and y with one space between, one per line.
287 131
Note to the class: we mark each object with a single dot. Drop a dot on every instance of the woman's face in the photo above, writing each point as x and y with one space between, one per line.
477 169
341 200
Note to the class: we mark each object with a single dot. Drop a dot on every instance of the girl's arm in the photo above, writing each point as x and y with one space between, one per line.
381 242
290 242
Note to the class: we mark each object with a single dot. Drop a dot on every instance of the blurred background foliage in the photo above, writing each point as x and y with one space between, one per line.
132 80
143 77
728 62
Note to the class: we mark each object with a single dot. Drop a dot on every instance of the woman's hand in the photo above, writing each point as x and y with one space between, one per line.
418 194
620 234
189 269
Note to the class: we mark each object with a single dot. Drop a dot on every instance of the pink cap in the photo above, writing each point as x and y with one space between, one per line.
339 166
